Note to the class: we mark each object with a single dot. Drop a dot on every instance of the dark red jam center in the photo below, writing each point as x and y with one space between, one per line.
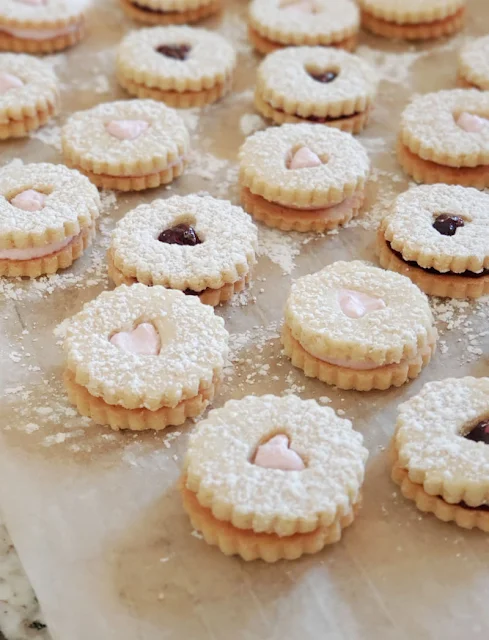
480 433
413 263
175 51
447 225
182 234
325 78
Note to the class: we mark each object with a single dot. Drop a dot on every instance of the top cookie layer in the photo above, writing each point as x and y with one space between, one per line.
220 470
286 81
329 21
44 15
412 12
430 442
265 154
210 59
173 5
429 127
88 144
395 329
474 62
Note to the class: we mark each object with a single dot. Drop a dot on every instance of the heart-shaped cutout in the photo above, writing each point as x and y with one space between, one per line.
356 304
304 158
9 81
126 129
471 123
29 200
277 454
144 340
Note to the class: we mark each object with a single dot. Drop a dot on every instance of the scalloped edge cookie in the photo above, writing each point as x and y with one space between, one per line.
473 61
414 31
184 16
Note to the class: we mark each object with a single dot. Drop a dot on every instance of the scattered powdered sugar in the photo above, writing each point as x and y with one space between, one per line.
279 247
251 122
49 135
393 67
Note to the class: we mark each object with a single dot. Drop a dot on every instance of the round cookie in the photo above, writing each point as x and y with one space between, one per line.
444 137
41 26
165 12
29 94
198 244
181 66
303 177
144 357
128 145
271 478
439 450
473 64
274 24
312 84
356 326
438 236
413 20
47 218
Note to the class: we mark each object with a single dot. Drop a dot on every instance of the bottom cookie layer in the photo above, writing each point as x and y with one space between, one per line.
414 31
351 124
118 417
443 285
21 128
465 517
429 172
266 46
148 16
132 183
265 546
288 219
381 378
49 45
51 263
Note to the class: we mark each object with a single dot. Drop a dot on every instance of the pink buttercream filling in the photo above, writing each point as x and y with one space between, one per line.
356 304
39 34
276 454
126 129
31 253
29 200
335 210
8 81
143 340
471 123
304 158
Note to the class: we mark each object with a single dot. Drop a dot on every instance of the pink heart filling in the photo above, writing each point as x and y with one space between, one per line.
470 122
356 304
8 81
126 129
29 200
143 340
304 158
276 454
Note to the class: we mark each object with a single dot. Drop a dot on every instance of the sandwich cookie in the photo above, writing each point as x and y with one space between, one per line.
272 478
356 326
144 357
473 64
128 145
203 246
164 12
47 218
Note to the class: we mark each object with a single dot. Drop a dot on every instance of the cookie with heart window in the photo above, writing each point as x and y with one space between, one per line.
144 357
321 85
439 451
437 235
302 177
181 66
275 24
271 478
444 137
355 326
165 12
128 145
198 244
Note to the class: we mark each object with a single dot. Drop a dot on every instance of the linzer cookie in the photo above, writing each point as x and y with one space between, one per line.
144 357
440 457
356 326
181 66
413 20
444 137
128 145
164 12
311 84
200 245
438 236
272 478
47 218
29 94
303 177
274 24
41 26
473 64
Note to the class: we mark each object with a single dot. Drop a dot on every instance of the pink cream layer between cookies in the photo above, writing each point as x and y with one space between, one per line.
39 34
